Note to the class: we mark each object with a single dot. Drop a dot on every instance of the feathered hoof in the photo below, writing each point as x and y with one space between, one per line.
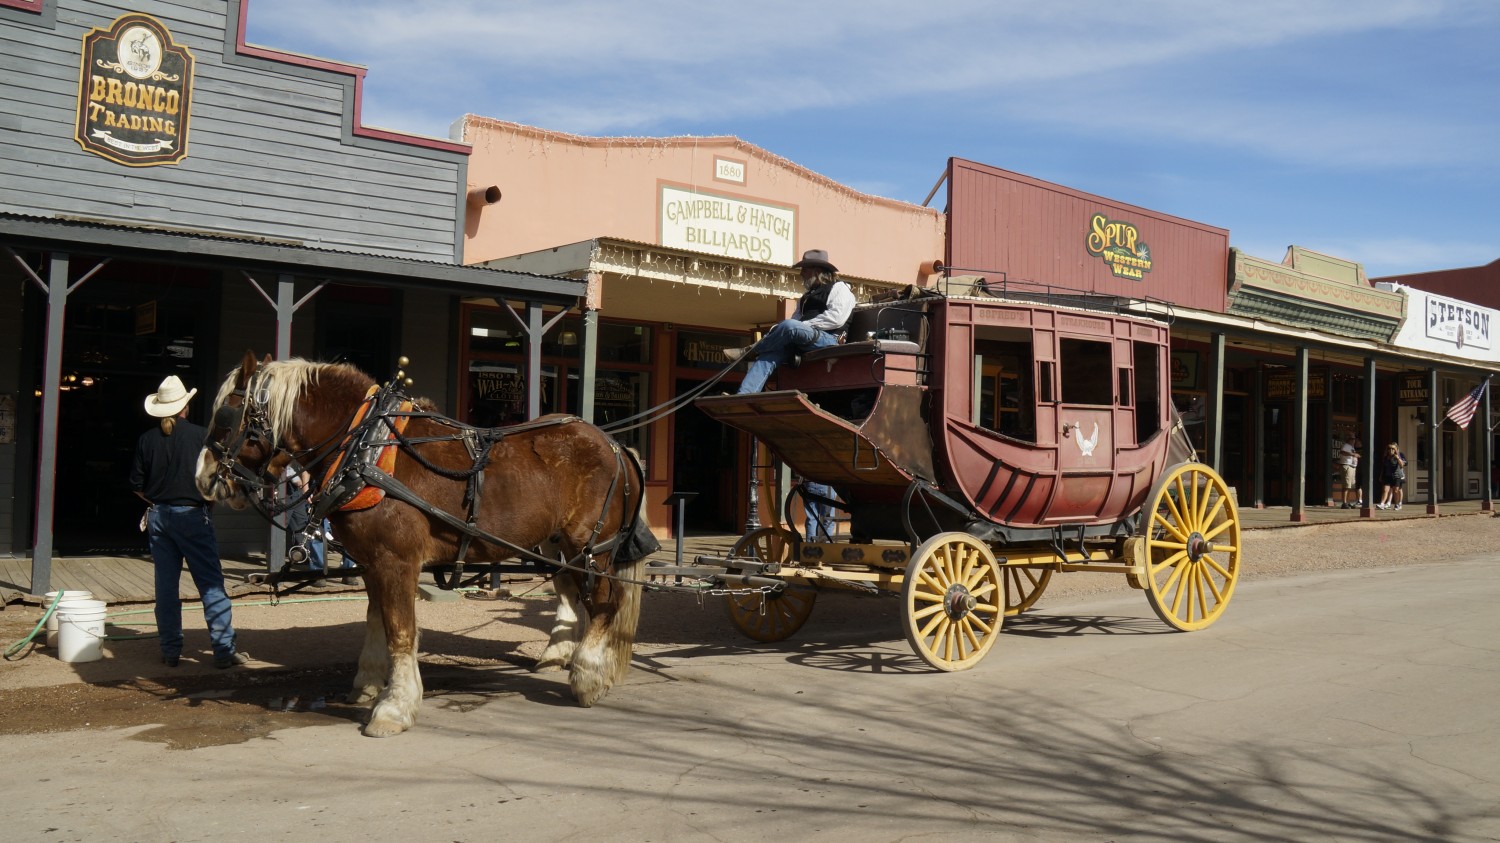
363 696
589 687
383 729
549 666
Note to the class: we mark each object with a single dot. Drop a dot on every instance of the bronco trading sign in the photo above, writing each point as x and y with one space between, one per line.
134 88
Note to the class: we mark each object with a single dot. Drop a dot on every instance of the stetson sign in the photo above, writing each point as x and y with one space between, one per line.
134 89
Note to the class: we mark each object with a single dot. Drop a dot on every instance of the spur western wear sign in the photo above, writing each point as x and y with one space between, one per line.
134 88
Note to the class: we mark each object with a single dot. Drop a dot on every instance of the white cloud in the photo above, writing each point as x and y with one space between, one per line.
596 67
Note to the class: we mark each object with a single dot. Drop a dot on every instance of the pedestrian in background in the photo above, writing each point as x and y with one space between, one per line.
180 525
1392 477
1345 461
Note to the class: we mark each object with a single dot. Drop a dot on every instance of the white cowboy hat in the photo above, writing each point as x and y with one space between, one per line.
169 398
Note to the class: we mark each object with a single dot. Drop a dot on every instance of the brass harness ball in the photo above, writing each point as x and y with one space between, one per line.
403 362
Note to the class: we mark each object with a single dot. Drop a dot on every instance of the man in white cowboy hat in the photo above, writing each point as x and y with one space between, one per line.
820 320
180 526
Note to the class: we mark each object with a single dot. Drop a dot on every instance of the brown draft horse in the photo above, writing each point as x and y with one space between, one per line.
561 487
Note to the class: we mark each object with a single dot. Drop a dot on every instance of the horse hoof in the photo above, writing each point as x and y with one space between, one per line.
383 729
549 666
588 689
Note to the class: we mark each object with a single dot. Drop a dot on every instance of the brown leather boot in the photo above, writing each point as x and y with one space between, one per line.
734 354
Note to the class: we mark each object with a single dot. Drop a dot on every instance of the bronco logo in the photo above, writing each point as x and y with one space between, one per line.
1118 244
133 93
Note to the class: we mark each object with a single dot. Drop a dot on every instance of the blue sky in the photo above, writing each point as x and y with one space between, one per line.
1366 129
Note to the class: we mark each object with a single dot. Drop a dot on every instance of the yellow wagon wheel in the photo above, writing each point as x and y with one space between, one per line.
769 617
955 601
1023 587
1193 557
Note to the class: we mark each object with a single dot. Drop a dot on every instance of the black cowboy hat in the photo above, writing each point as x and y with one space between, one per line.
815 257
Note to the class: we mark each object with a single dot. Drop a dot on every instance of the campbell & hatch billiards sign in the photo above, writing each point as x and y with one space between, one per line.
134 91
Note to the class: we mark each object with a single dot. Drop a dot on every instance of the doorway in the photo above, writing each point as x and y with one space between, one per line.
706 459
125 331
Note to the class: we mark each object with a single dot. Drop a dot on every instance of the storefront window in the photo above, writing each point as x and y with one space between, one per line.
618 395
497 393
619 343
696 350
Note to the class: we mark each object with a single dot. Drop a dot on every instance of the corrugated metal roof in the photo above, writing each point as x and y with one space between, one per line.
257 253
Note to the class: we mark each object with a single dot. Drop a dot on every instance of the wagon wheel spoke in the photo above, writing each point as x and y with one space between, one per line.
953 593
1023 587
768 617
1193 547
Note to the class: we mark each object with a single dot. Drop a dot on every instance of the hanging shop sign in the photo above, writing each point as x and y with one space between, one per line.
1119 245
1414 389
725 225
1283 386
134 91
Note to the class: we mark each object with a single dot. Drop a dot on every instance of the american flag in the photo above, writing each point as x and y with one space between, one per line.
1462 411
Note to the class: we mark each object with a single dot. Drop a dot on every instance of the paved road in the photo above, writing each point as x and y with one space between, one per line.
1346 705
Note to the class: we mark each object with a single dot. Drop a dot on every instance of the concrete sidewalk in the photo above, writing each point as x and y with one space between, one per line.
129 579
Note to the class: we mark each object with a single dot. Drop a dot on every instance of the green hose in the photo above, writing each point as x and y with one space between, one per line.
11 651
40 625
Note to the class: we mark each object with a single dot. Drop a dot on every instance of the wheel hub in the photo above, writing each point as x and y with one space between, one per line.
1198 546
958 602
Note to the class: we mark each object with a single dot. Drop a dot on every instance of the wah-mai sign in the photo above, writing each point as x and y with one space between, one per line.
134 89
725 225
1119 245
1458 322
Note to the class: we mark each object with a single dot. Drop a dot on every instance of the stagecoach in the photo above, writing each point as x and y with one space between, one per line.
980 442
981 439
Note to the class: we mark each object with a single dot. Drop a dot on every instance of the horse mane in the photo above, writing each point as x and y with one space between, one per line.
284 381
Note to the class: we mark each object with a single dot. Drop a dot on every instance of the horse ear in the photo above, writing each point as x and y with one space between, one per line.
247 367
267 361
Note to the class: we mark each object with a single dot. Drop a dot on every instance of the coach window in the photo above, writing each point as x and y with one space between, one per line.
1087 372
1003 397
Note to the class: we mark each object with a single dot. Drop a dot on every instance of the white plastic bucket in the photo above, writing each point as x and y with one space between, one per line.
80 630
52 620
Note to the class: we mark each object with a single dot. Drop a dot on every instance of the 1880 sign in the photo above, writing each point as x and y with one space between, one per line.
133 93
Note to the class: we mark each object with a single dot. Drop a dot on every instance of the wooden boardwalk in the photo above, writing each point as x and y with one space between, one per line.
123 579
130 579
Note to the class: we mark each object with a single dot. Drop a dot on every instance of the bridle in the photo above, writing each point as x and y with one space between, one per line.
241 420
246 414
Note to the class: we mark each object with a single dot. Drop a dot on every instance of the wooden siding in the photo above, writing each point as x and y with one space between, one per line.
1033 231
270 152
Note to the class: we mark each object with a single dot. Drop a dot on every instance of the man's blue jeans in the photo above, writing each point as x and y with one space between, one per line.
788 339
820 523
187 532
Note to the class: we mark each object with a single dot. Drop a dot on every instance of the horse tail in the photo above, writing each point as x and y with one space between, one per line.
629 566
603 657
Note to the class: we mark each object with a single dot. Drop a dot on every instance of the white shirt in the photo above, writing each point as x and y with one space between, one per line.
840 305
1347 455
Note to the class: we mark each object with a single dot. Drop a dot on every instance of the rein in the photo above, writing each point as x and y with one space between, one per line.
354 448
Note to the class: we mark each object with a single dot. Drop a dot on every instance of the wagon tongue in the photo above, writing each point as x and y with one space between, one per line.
811 441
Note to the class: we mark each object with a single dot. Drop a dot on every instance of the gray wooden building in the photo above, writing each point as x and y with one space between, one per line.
171 196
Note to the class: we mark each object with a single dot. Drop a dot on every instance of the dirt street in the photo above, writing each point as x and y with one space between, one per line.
304 649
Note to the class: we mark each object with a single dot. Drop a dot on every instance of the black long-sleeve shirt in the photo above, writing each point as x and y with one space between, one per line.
164 465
